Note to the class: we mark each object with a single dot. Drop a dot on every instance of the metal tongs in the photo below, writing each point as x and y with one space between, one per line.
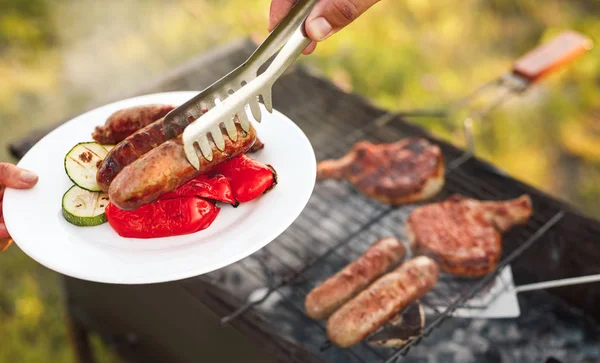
226 100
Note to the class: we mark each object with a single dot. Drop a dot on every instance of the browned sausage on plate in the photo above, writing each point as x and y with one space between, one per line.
379 258
133 147
376 305
128 151
165 168
125 122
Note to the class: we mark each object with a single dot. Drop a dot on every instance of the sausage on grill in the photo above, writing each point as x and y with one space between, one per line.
125 122
165 168
376 305
379 258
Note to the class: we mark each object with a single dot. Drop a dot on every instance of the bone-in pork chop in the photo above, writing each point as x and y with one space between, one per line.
464 235
405 171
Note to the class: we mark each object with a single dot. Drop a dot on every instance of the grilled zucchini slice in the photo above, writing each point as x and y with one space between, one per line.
82 163
84 208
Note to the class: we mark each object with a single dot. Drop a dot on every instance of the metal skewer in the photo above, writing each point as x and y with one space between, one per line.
558 283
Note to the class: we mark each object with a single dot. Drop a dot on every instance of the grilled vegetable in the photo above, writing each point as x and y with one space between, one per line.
82 162
249 178
163 218
215 188
84 208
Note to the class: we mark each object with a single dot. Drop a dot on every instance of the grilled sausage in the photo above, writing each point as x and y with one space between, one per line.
379 258
165 168
258 145
128 151
125 122
376 305
133 147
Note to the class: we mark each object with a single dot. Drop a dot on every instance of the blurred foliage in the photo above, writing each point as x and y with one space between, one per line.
59 58
32 321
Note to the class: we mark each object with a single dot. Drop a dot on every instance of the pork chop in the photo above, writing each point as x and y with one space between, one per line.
464 235
402 172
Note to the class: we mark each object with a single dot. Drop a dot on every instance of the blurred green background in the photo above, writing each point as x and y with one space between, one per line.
58 58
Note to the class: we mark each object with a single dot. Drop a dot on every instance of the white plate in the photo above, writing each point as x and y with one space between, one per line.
33 217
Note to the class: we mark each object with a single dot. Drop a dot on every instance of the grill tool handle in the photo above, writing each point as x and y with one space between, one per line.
281 34
552 55
531 67
197 132
178 119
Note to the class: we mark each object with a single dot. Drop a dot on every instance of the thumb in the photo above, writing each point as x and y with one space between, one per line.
329 16
13 177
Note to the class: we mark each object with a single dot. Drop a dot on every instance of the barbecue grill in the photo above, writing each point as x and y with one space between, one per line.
262 296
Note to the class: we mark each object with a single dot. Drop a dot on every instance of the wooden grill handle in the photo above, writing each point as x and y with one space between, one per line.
552 55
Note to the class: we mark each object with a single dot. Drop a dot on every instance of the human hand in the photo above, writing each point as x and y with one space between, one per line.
327 18
12 177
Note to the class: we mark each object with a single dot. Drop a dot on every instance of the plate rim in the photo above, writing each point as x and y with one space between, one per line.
186 273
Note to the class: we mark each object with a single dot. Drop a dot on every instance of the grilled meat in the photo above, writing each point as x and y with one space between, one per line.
405 171
125 122
165 168
258 145
128 151
381 301
379 258
464 235
137 143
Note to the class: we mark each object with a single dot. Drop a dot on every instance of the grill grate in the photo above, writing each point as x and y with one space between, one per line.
339 223
450 292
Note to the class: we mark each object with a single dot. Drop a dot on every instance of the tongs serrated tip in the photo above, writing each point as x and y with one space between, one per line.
197 133
225 103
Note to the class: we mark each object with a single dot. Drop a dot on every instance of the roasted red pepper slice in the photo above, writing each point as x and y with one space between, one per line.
215 188
163 218
248 178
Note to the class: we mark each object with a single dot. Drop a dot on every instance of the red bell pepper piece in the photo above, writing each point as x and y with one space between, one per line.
215 188
163 218
248 178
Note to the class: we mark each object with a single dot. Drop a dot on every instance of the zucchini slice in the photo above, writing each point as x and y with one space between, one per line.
108 147
84 208
82 163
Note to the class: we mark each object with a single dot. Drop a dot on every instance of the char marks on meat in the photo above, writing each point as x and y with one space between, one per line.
381 301
376 260
405 171
165 168
463 234
139 142
129 150
125 122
